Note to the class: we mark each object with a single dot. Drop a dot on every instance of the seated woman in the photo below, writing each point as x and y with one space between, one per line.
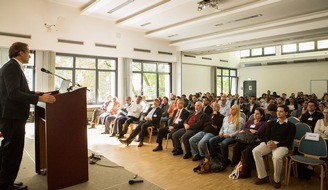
321 126
258 126
231 126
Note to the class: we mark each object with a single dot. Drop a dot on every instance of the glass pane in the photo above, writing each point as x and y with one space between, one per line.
32 60
322 44
225 72
87 79
64 61
163 68
87 63
149 67
28 71
218 85
219 72
226 86
269 50
245 53
136 66
106 85
109 64
289 48
233 73
149 85
136 84
234 83
256 51
67 74
164 85
306 46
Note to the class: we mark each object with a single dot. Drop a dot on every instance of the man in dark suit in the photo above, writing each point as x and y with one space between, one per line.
207 109
250 108
192 125
153 118
179 117
15 100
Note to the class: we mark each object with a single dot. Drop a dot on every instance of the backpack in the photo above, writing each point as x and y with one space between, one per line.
210 165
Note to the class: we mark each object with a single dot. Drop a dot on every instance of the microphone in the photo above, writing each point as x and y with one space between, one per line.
46 71
132 181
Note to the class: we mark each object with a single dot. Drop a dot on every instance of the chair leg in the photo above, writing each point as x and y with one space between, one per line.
167 140
286 170
289 168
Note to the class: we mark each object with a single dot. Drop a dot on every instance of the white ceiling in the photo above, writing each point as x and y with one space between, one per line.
239 24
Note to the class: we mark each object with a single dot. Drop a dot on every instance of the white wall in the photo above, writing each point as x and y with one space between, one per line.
286 78
197 78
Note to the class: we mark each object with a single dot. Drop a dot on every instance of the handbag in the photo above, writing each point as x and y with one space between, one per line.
246 137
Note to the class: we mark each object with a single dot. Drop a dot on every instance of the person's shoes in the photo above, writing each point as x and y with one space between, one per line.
18 183
197 157
126 141
92 126
140 144
262 181
187 155
178 152
21 187
137 140
104 133
158 148
112 135
277 185
174 150
120 137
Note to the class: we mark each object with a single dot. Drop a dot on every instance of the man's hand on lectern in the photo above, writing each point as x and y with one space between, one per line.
47 98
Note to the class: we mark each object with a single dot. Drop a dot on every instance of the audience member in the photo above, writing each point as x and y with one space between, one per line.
211 128
312 115
192 125
321 106
207 109
152 118
165 107
111 110
278 137
271 115
191 107
99 111
224 106
321 126
255 126
250 108
231 126
179 117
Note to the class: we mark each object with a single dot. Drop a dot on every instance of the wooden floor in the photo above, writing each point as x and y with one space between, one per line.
173 172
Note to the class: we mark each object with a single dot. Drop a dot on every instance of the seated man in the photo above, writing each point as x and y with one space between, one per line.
134 113
192 125
121 113
279 135
311 116
211 128
99 111
179 117
153 118
111 110
165 107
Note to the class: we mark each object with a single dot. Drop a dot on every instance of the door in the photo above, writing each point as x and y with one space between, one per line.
249 88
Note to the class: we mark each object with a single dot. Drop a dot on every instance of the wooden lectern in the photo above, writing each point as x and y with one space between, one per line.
61 140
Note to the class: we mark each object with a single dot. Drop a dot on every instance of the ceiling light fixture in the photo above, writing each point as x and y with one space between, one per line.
120 6
208 3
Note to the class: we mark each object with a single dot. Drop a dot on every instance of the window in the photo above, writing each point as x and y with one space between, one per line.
289 48
322 44
98 74
29 71
306 46
257 52
151 79
270 50
245 53
226 80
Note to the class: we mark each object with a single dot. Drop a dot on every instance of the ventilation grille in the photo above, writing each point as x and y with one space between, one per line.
165 53
142 50
222 60
277 63
253 65
70 42
15 35
206 58
105 45
305 61
189 56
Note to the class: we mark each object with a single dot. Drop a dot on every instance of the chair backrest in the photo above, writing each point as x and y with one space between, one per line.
293 120
294 113
251 117
301 129
314 149
243 115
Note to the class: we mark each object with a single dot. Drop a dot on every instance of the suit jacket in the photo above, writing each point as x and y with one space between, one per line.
248 107
156 117
199 122
15 95
208 110
182 118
